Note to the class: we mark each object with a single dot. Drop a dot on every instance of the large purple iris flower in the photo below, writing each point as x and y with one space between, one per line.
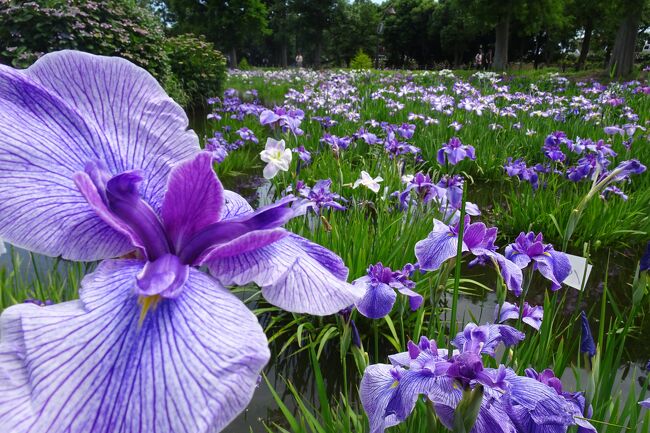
553 265
96 163
510 403
442 245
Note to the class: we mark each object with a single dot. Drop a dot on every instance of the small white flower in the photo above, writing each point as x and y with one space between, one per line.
367 181
276 156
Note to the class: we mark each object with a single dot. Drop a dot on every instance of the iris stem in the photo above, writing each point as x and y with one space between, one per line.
375 329
459 253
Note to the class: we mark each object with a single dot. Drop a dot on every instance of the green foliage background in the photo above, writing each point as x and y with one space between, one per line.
188 67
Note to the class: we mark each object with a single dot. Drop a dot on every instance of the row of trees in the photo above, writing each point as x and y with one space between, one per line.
416 32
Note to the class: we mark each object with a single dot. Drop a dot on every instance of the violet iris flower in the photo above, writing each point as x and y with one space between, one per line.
645 403
380 284
552 146
442 245
532 315
454 151
424 188
96 163
518 168
510 403
553 265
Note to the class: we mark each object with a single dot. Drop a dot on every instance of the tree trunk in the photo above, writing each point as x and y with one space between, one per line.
501 43
586 42
319 47
536 52
622 60
284 58
233 57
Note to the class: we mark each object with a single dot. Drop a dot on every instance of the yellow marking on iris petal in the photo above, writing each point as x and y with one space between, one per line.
395 384
546 253
147 303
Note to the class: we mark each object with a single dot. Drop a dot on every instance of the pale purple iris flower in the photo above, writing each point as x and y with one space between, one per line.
510 402
247 135
532 315
454 151
218 146
442 245
336 143
380 284
303 154
645 403
96 162
320 196
528 247
286 119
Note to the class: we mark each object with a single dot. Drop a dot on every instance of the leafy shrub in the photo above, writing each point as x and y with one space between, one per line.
244 65
361 60
106 27
198 67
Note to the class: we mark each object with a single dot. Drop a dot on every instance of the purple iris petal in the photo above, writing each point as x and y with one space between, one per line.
376 390
532 404
553 265
576 400
380 296
198 248
442 244
485 338
165 276
294 273
377 301
124 201
439 246
56 119
532 315
645 403
194 200
192 365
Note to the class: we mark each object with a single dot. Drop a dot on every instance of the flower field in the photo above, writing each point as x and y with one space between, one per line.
335 251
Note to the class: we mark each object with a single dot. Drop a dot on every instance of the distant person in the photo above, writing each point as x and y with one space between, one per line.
299 60
478 59
487 59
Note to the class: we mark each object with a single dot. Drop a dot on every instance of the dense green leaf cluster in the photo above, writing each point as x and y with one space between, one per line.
187 67
200 69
